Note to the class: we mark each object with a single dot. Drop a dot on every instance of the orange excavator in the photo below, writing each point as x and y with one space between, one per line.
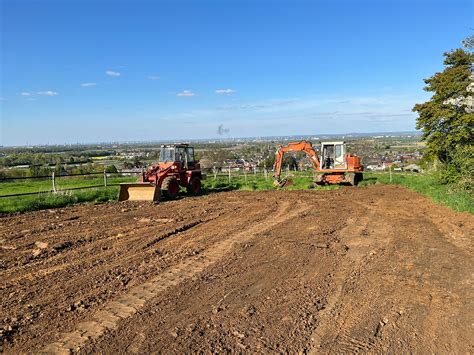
334 167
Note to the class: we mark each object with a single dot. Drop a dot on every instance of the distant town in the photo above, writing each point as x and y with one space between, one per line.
399 151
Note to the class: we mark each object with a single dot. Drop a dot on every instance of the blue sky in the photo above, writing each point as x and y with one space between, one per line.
95 71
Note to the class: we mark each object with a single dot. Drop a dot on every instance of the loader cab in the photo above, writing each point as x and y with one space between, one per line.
180 153
332 155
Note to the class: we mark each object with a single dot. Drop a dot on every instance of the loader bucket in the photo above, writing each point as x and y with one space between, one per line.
140 191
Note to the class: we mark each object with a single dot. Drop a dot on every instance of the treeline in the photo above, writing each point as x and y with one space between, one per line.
38 158
58 169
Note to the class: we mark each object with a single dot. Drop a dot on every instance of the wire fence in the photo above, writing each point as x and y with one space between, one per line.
54 187
227 173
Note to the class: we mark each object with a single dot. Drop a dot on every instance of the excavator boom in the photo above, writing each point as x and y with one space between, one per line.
303 146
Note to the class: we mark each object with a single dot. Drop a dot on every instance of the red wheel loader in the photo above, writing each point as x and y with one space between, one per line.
176 168
335 166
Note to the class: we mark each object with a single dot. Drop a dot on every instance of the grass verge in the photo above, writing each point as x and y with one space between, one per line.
61 199
425 184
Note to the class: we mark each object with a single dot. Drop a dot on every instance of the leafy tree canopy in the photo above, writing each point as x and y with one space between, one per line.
447 119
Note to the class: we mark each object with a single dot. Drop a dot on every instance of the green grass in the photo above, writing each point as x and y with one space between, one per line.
45 199
45 185
60 199
301 181
425 184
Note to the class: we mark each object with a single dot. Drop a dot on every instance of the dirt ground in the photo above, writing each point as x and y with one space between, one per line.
374 269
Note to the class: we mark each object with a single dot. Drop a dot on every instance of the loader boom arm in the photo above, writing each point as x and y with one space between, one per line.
303 146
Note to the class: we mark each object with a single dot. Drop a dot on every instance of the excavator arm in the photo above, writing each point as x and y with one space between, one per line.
303 146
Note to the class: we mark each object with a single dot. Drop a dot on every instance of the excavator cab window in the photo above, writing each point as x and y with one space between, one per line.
339 153
327 155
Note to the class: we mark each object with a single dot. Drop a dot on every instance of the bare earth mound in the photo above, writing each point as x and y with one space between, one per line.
356 269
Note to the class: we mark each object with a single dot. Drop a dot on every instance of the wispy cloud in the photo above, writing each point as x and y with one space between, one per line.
334 113
225 91
48 93
25 93
153 77
112 73
88 85
186 93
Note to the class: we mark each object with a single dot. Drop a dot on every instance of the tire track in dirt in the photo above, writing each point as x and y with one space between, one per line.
129 303
354 231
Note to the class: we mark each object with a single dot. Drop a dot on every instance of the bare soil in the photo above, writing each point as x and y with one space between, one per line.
375 269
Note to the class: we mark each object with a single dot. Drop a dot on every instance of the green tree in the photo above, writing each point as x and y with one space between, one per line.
447 119
111 169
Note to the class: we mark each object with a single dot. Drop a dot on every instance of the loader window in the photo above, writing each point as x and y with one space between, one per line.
180 154
166 154
190 154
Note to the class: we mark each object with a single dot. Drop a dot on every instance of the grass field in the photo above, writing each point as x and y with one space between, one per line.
424 184
45 199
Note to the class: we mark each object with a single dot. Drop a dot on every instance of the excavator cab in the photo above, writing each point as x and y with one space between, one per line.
332 155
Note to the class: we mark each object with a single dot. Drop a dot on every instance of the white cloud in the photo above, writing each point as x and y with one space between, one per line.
112 73
225 91
25 93
154 77
87 85
187 93
48 93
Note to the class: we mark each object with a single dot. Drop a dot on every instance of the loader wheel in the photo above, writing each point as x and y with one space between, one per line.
194 187
170 187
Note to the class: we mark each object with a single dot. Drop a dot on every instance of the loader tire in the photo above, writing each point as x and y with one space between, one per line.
194 187
170 187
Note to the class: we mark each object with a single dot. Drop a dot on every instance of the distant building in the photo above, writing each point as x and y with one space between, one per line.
413 168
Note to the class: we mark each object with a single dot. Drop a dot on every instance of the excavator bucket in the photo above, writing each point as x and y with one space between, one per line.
283 182
139 191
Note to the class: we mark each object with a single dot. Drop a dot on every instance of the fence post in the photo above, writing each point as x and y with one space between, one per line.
54 182
390 169
105 178
245 175
214 170
229 174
